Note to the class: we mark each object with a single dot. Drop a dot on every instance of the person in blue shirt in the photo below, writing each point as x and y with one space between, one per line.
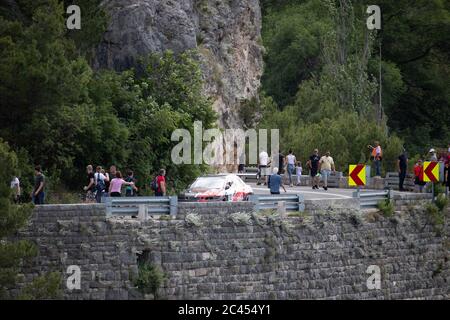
275 182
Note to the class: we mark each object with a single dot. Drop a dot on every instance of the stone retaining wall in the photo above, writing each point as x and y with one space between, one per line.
224 251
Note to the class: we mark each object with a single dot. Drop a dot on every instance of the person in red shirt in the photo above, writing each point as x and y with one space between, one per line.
161 181
418 173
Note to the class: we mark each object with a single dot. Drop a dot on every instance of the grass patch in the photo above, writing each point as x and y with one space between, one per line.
441 202
297 214
386 207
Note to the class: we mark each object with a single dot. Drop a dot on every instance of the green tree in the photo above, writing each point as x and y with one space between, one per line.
14 254
415 38
334 110
292 36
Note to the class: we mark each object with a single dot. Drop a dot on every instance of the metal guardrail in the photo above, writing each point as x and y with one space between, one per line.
392 180
370 199
293 202
334 179
135 206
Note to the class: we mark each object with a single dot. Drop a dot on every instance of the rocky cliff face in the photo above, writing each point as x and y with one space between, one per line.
225 32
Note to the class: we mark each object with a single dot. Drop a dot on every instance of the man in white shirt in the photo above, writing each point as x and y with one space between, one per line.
15 186
433 156
262 167
326 164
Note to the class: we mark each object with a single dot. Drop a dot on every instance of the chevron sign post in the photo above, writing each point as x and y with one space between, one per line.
431 171
357 175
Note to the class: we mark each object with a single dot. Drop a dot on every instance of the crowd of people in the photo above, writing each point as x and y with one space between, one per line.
111 183
321 167
443 157
99 184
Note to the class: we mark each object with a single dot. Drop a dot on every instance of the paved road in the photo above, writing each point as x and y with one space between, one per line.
309 193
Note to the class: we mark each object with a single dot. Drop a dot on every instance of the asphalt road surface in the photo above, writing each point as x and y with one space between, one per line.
309 193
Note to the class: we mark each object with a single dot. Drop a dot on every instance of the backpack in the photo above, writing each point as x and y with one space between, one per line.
154 184
100 186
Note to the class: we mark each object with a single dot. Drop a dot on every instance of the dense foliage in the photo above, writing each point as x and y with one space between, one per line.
14 254
60 113
321 62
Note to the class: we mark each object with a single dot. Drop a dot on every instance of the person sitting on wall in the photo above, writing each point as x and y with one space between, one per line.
275 182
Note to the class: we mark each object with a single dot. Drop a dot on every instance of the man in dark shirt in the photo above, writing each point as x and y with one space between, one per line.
90 188
313 164
38 190
402 164
281 163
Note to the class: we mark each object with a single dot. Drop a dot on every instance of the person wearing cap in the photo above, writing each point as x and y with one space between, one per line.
432 155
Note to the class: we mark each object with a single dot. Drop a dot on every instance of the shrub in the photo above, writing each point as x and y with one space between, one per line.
43 287
441 202
149 279
435 214
438 189
386 207
193 219
241 218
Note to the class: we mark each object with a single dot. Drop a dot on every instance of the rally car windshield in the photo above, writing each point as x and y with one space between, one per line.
206 183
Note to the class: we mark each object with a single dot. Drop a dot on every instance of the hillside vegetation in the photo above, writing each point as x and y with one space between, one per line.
322 72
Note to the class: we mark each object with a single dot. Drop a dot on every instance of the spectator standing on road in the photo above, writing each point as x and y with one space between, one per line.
262 167
131 190
290 165
275 182
432 155
326 165
418 174
90 188
402 166
313 165
38 193
115 186
161 183
299 170
281 163
100 184
15 187
377 157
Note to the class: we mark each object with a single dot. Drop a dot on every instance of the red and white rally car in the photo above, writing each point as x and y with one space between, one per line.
221 187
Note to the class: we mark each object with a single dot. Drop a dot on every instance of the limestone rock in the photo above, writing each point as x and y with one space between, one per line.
226 33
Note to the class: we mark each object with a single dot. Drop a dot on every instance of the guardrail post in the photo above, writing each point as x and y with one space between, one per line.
301 202
254 198
281 208
142 213
357 195
173 202
108 202
390 194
